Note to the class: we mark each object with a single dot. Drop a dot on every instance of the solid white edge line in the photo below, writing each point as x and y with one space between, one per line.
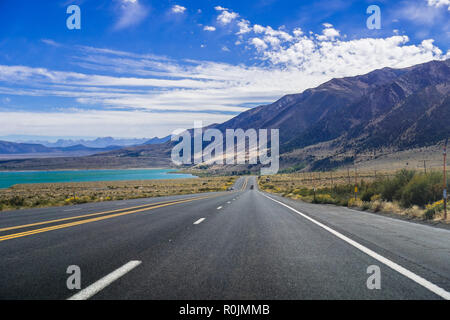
414 277
99 285
199 221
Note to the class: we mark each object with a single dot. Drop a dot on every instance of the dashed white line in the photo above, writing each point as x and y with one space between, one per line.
105 281
199 221
228 201
391 264
218 208
76 209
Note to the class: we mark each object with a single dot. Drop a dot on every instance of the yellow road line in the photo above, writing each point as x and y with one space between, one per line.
76 223
245 184
85 215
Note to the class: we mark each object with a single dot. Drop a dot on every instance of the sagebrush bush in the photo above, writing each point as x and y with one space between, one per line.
422 189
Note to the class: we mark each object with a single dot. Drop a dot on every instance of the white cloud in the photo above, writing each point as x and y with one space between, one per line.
131 13
166 92
220 8
259 44
244 26
329 33
439 3
51 42
178 9
226 17
100 123
209 28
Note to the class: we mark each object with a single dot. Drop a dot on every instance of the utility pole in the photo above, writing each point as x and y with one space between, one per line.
314 185
425 165
356 178
445 181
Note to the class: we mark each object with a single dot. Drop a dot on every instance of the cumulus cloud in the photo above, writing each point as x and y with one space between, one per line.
259 44
209 28
439 3
226 17
163 90
220 8
178 9
329 33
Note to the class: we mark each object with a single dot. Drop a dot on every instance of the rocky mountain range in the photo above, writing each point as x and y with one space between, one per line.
386 110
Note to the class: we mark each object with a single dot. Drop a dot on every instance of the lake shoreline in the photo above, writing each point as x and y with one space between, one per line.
13 178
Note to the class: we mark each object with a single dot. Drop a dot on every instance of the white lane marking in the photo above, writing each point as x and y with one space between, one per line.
77 209
414 277
199 221
96 287
228 201
218 208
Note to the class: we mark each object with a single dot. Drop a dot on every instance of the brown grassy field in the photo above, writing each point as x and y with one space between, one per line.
59 194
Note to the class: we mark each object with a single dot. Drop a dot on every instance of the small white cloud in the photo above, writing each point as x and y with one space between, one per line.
178 9
439 3
50 42
328 34
220 8
226 17
209 28
225 48
327 25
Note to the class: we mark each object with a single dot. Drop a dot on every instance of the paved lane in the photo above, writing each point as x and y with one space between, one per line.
230 245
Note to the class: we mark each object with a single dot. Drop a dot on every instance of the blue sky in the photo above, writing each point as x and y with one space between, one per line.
140 68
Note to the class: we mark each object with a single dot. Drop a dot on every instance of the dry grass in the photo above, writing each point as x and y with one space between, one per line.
300 186
59 194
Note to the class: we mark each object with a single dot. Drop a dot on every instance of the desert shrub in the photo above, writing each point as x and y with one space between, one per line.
366 205
367 194
16 201
391 188
421 190
352 202
376 205
432 209
325 199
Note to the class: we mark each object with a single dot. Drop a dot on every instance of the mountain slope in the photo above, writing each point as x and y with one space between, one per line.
387 109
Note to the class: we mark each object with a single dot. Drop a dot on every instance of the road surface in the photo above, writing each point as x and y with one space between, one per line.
241 244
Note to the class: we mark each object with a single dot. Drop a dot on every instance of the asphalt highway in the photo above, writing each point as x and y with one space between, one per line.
240 244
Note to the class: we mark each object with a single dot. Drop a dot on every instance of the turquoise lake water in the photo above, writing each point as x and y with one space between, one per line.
8 179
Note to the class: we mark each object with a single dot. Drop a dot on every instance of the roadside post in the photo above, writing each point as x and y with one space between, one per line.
445 181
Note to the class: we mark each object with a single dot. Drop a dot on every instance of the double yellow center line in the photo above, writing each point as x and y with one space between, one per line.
107 215
244 185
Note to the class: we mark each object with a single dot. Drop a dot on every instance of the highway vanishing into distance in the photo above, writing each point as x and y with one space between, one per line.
240 244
